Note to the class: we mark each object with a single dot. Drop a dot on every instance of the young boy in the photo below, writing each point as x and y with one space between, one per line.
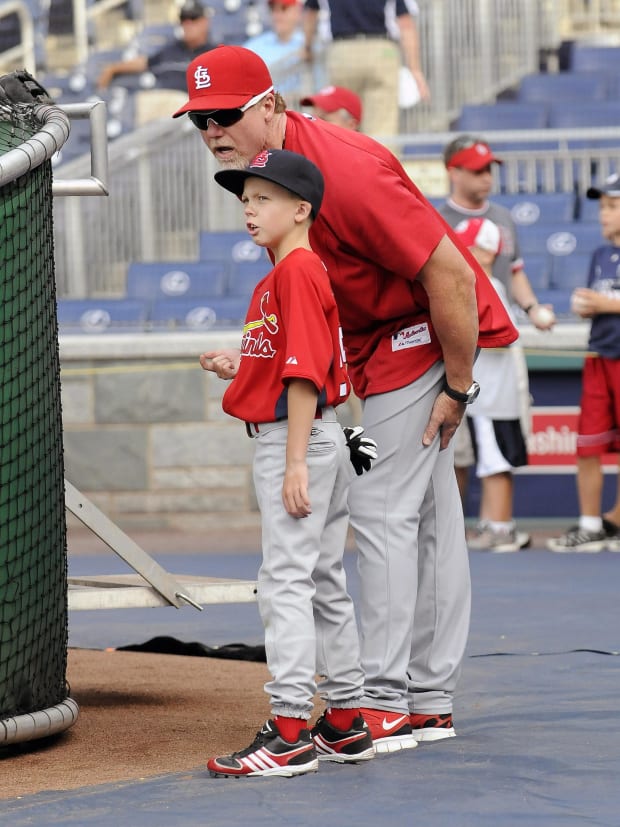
494 418
288 377
599 418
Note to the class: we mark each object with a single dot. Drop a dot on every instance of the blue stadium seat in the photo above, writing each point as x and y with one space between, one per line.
584 58
244 276
411 150
537 266
538 207
504 115
197 313
588 209
561 239
568 272
154 280
101 315
152 38
570 86
234 23
229 246
565 115
560 299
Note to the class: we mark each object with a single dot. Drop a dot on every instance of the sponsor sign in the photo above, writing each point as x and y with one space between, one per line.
552 442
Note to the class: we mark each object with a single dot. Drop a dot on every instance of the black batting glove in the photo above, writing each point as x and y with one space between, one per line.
361 448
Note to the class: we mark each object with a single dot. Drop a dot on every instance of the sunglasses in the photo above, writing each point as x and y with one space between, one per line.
225 117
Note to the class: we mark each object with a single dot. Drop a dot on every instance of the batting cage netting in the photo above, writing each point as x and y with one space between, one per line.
34 698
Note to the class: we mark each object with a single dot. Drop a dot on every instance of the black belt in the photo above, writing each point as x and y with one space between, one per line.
362 36
252 429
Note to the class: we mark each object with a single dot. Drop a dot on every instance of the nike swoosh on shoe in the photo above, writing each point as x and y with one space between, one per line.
387 725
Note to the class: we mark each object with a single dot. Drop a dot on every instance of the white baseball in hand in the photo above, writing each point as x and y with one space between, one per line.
543 315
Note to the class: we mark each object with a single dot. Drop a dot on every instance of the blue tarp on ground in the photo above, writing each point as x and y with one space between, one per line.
536 715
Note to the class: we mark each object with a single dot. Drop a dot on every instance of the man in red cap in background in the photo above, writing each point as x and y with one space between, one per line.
336 105
414 306
469 161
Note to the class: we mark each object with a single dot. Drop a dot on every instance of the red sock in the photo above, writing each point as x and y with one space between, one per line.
342 719
290 727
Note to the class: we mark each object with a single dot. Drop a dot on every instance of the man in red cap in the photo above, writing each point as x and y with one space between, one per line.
469 161
414 306
336 105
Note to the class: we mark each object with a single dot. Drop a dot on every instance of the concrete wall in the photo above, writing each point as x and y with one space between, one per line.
145 437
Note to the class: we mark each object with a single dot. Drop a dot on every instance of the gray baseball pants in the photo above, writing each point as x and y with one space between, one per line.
307 613
412 557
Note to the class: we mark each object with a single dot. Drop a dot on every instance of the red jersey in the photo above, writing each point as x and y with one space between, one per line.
292 331
375 231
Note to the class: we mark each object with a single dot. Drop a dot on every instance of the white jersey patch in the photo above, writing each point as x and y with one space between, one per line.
413 336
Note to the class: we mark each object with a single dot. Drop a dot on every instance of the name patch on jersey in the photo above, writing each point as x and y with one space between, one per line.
413 336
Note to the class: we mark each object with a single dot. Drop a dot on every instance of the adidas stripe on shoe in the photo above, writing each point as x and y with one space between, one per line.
268 754
390 731
431 727
344 747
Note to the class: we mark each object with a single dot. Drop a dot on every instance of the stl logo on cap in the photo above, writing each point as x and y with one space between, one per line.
482 149
261 160
202 79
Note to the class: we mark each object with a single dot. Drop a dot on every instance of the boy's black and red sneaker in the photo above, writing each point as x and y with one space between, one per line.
268 754
345 747
432 727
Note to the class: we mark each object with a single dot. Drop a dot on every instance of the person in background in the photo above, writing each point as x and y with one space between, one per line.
336 105
282 46
364 58
494 418
169 63
410 354
598 429
469 161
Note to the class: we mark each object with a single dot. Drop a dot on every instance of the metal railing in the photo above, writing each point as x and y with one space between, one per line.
162 195
34 151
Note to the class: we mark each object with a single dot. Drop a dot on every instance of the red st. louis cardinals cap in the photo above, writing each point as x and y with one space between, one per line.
473 156
332 98
226 77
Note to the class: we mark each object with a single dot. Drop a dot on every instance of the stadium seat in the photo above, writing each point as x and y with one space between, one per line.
504 115
234 23
565 115
245 275
154 280
411 150
584 58
571 86
152 37
568 272
197 314
561 239
537 266
101 315
588 209
560 299
229 246
538 207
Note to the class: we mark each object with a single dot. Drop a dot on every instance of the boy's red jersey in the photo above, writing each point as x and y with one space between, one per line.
292 331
